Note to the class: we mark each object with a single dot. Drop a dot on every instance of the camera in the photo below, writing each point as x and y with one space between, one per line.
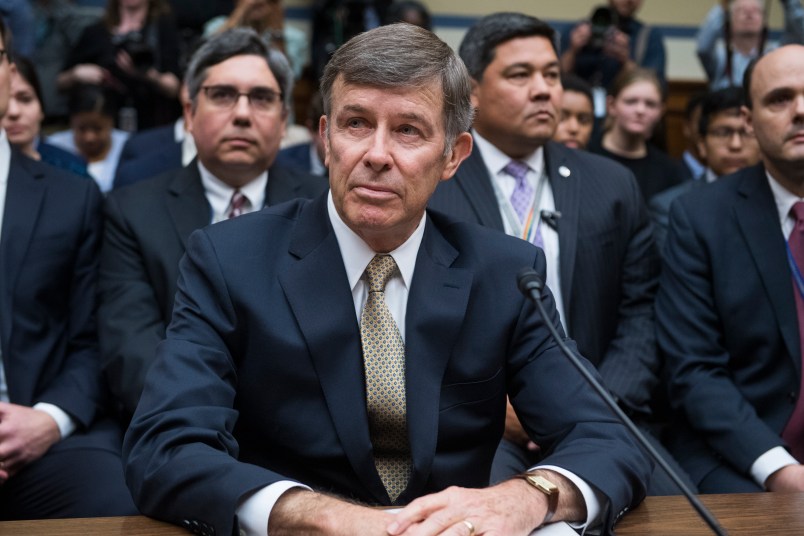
141 53
602 20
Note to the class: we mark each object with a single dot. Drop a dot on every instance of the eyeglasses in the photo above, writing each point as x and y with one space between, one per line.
261 99
727 134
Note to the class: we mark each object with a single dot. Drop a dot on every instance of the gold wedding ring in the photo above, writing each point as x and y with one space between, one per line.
470 527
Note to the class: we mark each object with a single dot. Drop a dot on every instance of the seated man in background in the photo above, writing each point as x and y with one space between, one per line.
577 113
364 347
725 143
730 308
58 456
239 102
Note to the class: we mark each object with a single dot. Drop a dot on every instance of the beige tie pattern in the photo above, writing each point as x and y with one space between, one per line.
384 365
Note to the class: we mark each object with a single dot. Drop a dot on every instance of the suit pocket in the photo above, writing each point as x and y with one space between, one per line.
457 394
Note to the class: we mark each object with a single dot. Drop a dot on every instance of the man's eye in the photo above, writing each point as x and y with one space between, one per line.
408 130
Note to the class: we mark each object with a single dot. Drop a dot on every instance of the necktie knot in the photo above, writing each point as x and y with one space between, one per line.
797 211
379 271
517 169
237 204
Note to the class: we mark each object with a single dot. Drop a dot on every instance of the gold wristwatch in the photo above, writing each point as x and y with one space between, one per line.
546 487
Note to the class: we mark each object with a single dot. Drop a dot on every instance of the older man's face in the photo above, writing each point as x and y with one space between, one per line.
385 154
238 142
777 117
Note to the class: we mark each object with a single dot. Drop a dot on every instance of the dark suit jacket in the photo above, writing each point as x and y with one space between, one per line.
145 234
727 324
295 156
607 259
151 164
260 378
147 141
660 208
48 274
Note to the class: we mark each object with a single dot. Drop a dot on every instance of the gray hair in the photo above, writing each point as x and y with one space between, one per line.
481 40
404 56
238 42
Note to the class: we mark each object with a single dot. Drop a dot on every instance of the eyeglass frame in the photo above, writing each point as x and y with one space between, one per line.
277 97
726 134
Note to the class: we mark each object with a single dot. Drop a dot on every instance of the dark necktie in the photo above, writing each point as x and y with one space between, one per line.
384 364
237 204
793 432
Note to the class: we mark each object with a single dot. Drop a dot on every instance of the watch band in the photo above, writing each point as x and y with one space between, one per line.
546 487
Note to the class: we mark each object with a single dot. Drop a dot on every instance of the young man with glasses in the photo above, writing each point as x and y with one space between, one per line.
238 108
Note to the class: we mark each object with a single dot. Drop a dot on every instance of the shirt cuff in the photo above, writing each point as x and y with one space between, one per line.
769 463
254 511
65 423
591 497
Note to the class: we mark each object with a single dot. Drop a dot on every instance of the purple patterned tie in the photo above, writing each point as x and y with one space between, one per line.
237 204
793 432
522 196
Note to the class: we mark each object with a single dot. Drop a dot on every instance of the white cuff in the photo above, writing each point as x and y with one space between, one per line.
769 463
65 423
254 511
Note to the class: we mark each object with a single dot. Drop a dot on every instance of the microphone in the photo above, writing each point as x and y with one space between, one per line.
551 217
532 285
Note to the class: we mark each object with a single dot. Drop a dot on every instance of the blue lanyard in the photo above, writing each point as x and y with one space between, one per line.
796 271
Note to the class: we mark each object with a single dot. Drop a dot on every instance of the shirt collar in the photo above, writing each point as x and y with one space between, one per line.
357 254
219 193
784 198
5 156
496 160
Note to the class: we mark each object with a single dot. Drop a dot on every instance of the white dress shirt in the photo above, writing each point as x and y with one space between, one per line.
777 457
65 423
495 161
219 194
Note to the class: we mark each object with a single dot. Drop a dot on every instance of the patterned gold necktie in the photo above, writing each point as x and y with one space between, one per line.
384 364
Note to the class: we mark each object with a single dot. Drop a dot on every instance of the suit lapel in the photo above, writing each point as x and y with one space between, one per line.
756 215
436 308
567 196
187 203
473 179
318 291
24 195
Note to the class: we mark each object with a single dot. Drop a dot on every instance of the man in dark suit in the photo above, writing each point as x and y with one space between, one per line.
291 361
730 309
148 223
58 458
307 157
583 210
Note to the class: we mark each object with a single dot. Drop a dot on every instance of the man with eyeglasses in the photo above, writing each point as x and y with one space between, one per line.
239 102
725 143
730 307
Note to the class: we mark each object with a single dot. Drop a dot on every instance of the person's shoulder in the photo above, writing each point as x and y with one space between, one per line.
592 166
712 199
135 193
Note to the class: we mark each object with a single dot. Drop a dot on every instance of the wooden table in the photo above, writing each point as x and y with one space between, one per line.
107 526
740 514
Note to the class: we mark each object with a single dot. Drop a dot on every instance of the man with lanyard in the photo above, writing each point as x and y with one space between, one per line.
585 211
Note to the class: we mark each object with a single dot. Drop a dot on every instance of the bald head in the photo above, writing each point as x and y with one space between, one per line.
775 85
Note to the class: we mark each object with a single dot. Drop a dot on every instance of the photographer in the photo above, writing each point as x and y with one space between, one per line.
725 45
133 52
611 41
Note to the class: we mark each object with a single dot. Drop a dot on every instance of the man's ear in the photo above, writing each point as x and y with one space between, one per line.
747 118
461 149
323 132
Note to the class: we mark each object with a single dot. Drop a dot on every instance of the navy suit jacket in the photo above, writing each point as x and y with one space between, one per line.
296 156
260 378
147 141
660 204
48 275
727 324
147 165
146 231
608 261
